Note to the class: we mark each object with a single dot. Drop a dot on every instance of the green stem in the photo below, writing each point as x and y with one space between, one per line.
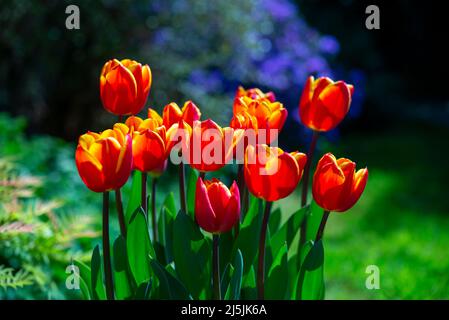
216 267
305 186
120 213
182 190
261 262
144 193
107 249
320 233
153 210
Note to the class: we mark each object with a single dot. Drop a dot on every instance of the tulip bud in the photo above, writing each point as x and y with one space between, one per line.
336 184
217 208
324 103
124 86
104 160
272 174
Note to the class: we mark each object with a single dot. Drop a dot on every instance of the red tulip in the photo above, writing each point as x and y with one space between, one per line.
104 160
172 114
324 103
149 145
124 86
211 146
217 208
272 174
336 184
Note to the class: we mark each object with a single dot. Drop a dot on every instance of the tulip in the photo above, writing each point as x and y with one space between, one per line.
211 146
260 114
217 208
149 145
104 160
272 174
124 86
336 184
324 103
253 93
173 114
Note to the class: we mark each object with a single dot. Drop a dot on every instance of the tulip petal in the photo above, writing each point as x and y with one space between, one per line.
204 214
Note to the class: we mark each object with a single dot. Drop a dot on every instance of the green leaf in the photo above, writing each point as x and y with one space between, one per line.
96 266
277 280
311 275
135 197
249 291
143 292
233 291
166 220
169 287
191 190
275 220
225 278
170 203
288 231
248 238
123 280
293 273
314 221
192 256
85 279
139 247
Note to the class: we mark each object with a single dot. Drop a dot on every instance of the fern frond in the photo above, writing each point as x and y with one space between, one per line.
19 279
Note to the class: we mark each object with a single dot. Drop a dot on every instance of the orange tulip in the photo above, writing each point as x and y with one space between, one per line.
336 184
104 160
253 93
324 103
210 146
173 114
124 86
217 208
259 114
150 145
272 174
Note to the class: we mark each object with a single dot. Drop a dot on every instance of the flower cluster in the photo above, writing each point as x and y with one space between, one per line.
105 160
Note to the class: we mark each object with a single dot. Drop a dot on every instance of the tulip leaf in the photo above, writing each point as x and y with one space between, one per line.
135 195
311 274
314 221
293 272
191 190
248 238
169 287
249 291
139 246
233 291
192 256
275 220
225 278
288 230
170 204
96 267
277 279
226 249
143 292
85 276
123 280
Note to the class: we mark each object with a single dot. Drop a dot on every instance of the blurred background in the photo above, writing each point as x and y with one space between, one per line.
398 124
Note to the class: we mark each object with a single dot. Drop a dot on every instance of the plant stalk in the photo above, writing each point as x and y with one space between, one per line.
120 213
153 210
261 261
182 190
320 233
305 186
216 267
107 249
144 193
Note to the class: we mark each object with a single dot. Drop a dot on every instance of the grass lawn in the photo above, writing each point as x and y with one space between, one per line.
401 223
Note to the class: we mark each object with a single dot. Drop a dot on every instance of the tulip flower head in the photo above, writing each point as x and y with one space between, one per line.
124 86
336 184
324 103
172 114
104 160
217 208
149 145
272 174
211 146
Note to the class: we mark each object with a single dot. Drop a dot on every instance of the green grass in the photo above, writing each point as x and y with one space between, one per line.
401 223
